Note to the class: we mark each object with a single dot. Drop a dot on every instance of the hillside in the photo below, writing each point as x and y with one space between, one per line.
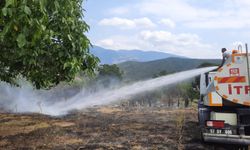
142 70
117 56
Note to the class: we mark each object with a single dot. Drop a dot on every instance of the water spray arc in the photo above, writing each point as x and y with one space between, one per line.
29 101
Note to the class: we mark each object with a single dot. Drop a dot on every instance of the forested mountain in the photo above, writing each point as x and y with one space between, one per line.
142 70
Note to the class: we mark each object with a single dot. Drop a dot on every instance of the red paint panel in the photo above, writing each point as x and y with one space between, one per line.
239 79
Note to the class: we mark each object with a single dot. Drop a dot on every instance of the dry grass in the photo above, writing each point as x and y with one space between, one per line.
11 125
180 121
101 128
63 124
108 110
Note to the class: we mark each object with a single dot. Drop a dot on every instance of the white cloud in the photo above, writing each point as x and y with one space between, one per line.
122 42
106 42
228 14
124 23
144 22
165 37
189 19
118 22
157 36
241 3
176 9
180 10
185 44
168 22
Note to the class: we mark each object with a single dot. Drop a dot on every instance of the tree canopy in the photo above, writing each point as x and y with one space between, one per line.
43 41
110 70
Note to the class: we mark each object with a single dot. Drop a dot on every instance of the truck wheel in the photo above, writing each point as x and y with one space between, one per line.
244 147
202 137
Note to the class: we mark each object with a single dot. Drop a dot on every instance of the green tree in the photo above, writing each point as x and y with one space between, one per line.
110 70
206 64
43 41
161 73
188 92
109 75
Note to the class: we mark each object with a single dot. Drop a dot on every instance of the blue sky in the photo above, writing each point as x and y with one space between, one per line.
192 28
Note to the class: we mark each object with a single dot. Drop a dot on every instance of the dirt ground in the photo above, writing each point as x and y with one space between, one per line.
105 128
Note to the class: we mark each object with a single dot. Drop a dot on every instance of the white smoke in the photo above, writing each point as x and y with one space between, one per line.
26 99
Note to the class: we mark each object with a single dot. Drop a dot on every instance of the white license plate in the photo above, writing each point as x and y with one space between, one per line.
221 131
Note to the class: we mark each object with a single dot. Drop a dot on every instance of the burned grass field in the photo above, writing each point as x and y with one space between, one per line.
103 128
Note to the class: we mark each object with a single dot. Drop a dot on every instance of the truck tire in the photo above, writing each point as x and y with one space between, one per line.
202 137
244 147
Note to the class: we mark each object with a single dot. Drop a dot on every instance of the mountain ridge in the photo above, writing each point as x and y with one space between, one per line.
134 71
108 56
